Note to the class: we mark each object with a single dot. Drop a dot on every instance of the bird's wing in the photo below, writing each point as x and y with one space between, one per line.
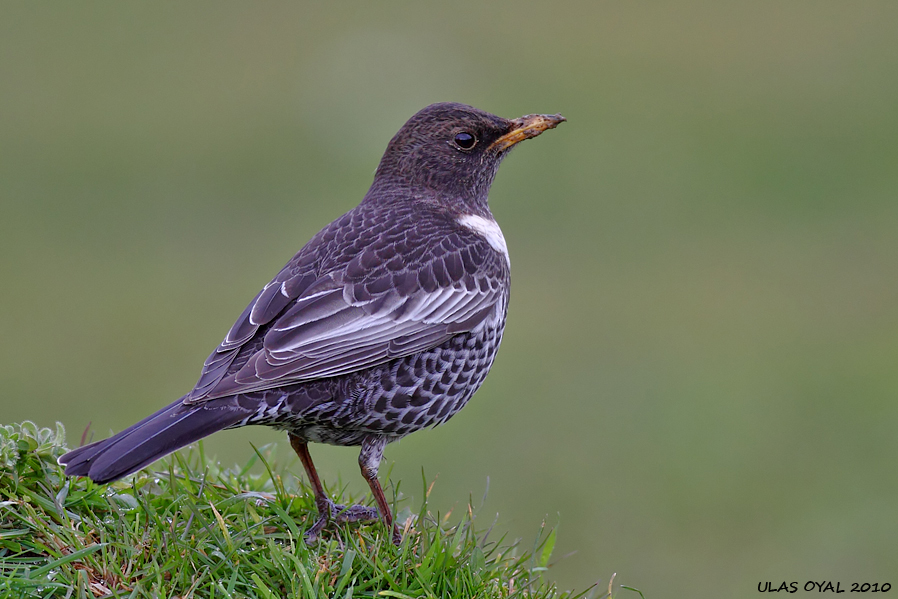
300 327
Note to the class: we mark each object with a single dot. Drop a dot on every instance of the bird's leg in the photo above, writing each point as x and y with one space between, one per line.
369 462
327 509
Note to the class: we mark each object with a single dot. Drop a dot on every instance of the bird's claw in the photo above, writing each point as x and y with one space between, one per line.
341 514
396 537
354 513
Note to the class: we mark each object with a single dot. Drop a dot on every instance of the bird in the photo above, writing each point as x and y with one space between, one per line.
386 322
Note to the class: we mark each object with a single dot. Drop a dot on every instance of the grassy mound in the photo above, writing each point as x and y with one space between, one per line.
192 530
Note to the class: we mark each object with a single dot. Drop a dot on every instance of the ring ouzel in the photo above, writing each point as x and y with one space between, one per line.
386 322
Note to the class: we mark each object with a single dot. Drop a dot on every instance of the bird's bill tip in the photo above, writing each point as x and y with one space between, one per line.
526 127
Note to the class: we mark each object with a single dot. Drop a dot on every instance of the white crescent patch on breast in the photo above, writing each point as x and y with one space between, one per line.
489 230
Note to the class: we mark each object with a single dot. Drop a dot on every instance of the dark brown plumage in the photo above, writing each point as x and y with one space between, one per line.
387 321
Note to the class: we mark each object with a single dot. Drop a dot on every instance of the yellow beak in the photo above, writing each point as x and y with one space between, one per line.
525 128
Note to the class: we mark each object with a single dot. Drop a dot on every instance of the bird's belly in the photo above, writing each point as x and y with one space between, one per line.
429 388
401 396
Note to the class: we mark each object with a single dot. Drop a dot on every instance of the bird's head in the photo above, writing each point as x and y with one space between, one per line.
452 151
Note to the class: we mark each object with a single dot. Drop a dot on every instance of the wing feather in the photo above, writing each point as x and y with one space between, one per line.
303 326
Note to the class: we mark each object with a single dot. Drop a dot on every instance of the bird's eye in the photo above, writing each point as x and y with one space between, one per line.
465 141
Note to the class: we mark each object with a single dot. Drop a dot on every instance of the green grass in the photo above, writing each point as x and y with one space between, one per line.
193 530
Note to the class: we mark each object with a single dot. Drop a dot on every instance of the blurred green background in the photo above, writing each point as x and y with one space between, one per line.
698 378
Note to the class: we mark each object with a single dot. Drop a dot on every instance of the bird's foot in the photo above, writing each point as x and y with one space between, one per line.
341 514
396 536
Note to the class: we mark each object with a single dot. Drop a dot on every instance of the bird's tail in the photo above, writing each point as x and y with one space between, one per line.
156 436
